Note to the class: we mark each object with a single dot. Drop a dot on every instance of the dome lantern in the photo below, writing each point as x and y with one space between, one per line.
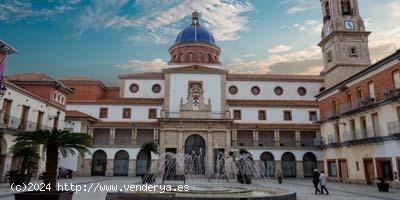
194 44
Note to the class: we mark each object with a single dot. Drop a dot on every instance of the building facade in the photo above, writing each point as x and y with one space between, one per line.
359 106
196 106
32 101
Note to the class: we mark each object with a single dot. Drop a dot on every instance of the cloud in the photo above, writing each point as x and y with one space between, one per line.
161 20
297 6
143 65
279 48
393 9
310 25
300 62
15 10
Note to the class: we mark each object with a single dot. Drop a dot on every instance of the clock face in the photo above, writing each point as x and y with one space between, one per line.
328 30
349 25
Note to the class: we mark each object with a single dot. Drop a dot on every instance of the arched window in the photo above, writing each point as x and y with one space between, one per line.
209 58
174 58
199 57
181 58
327 12
190 57
346 7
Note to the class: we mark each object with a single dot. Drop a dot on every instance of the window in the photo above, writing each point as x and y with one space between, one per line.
313 116
302 91
134 88
152 113
396 79
262 115
126 113
190 56
349 101
371 89
363 125
181 58
287 115
255 90
278 90
199 57
332 169
353 129
375 124
329 56
337 134
156 88
357 166
6 110
334 107
39 120
103 113
237 115
327 12
353 51
346 7
55 96
359 95
209 57
233 90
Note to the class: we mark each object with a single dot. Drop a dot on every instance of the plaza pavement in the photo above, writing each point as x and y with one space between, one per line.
303 188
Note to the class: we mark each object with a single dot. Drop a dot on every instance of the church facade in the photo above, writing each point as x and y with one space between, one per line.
196 106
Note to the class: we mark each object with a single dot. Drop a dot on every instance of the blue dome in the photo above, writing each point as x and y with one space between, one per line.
195 33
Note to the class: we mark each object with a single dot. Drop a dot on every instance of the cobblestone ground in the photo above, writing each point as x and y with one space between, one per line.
303 188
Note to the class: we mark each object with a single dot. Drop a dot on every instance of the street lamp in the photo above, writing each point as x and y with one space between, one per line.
3 90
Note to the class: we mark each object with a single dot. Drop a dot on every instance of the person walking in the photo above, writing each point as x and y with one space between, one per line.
322 180
315 180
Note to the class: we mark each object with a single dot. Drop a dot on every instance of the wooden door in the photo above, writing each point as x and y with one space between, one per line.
24 117
343 170
369 171
6 111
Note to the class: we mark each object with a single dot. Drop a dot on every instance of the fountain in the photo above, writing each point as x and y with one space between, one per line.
230 177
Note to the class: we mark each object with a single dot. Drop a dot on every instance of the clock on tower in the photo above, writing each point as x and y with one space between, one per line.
344 41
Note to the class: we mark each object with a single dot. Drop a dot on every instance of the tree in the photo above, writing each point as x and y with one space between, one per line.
27 152
148 148
55 141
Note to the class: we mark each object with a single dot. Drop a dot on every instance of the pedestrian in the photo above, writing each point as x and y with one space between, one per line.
315 180
322 180
279 175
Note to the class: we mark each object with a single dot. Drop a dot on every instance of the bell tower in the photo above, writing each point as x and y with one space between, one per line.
344 41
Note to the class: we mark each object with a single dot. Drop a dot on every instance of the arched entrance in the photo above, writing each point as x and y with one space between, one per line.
267 164
288 165
195 148
309 164
121 163
141 163
99 163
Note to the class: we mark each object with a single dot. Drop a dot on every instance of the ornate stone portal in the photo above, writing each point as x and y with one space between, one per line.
196 122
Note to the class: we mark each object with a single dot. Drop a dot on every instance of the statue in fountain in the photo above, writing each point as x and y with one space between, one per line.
244 164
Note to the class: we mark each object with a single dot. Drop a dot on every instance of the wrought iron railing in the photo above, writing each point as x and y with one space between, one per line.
16 123
211 115
393 127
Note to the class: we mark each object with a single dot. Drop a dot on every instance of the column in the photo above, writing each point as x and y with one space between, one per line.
112 136
155 136
133 137
234 138
209 168
297 138
255 138
276 138
180 169
5 165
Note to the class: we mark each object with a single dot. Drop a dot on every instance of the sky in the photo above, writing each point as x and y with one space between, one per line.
103 38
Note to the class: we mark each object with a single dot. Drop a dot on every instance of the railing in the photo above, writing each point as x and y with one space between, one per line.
16 123
393 127
318 142
331 139
211 115
391 93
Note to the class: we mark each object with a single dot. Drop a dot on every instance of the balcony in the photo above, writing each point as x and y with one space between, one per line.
364 136
15 123
196 115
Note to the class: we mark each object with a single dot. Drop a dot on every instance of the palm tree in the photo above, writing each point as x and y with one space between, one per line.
27 152
148 148
55 141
